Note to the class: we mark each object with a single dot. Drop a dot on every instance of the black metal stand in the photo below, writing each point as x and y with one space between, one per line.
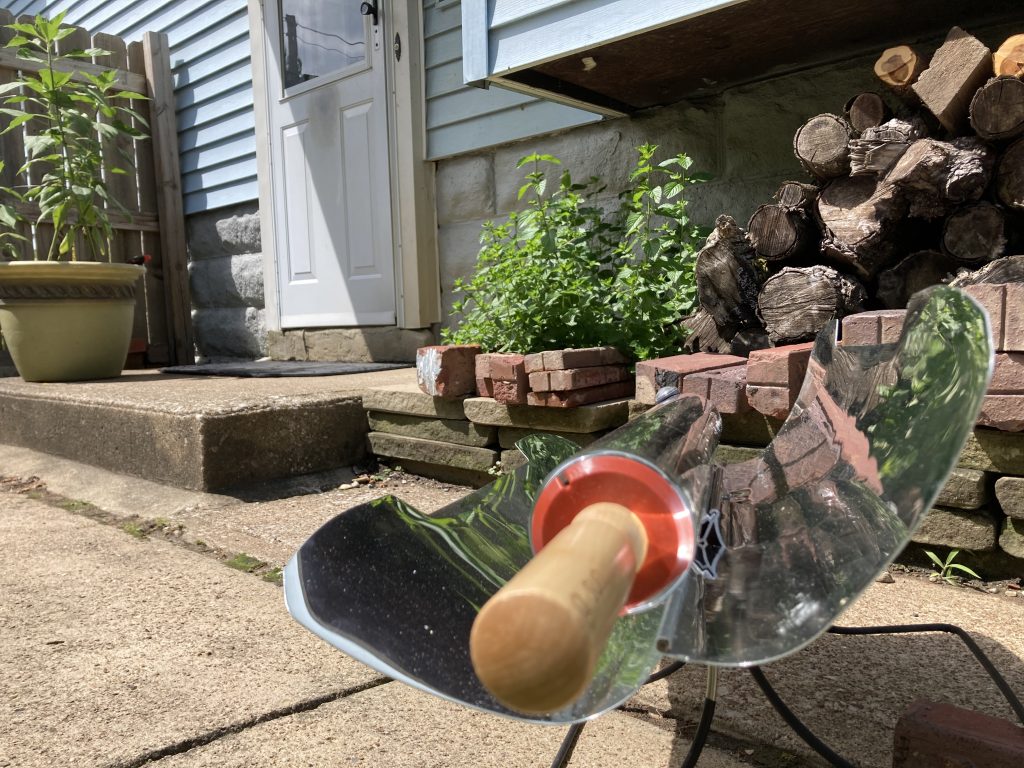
708 710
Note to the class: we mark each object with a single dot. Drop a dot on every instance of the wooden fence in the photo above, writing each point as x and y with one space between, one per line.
150 190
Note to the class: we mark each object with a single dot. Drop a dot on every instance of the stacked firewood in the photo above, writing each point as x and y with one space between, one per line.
897 203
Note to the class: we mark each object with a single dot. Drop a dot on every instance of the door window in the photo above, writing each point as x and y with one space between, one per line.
320 37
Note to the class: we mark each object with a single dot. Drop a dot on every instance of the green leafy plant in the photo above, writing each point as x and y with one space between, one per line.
68 116
563 273
947 567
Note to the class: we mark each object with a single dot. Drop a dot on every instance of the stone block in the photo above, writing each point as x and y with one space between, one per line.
965 489
366 345
512 459
446 474
286 345
1011 538
725 388
425 428
465 189
1005 412
636 408
578 397
937 735
880 326
408 399
993 298
447 371
509 436
227 281
577 378
458 246
224 232
230 332
1010 494
774 402
1007 374
779 366
652 375
432 452
957 529
588 418
993 451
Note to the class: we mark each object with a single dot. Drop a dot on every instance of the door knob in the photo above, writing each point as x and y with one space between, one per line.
370 9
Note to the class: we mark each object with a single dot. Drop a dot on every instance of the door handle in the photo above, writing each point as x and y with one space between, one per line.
371 9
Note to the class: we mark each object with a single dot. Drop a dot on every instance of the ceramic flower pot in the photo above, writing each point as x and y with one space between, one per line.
67 321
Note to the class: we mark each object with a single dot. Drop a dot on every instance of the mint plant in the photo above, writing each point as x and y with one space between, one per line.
563 273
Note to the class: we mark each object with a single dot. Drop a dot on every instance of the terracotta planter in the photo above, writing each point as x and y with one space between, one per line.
67 321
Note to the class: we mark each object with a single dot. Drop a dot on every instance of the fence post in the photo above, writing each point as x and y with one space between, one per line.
169 202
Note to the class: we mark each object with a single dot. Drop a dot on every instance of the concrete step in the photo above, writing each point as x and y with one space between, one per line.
197 432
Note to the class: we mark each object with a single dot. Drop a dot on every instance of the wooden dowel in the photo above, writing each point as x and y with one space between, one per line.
536 643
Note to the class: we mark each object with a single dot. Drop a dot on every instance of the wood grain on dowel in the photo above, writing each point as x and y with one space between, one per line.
535 644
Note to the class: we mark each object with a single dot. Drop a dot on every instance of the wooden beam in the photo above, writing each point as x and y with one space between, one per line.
127 80
169 202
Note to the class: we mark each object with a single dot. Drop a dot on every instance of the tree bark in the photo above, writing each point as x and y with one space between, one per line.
914 273
1009 57
820 145
858 216
958 68
706 335
866 110
778 233
727 280
934 177
899 68
975 234
997 109
1010 176
796 194
878 148
797 303
1009 269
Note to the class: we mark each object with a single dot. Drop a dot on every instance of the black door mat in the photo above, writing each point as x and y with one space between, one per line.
274 368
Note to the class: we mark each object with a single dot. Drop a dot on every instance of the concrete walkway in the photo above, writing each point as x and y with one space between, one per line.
119 650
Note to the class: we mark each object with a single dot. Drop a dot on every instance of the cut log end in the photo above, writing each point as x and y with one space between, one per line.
820 145
797 303
975 234
997 109
1009 57
866 110
899 67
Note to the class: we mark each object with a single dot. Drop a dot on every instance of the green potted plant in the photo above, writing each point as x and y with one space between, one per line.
66 310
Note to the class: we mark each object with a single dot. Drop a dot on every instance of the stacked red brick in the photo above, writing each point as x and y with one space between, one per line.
569 378
503 377
1003 407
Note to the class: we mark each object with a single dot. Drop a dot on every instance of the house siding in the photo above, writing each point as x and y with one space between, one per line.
462 119
210 61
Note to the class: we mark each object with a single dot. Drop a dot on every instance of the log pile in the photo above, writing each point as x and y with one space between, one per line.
911 186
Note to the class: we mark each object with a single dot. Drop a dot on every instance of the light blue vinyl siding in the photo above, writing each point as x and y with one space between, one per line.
210 61
461 118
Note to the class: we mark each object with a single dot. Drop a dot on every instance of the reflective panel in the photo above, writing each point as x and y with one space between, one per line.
319 38
812 522
786 540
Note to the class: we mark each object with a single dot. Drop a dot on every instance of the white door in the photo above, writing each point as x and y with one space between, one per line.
329 156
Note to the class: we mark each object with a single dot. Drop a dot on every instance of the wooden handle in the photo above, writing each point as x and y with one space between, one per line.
535 644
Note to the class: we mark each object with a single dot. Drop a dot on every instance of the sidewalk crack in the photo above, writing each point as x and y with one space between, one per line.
209 737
